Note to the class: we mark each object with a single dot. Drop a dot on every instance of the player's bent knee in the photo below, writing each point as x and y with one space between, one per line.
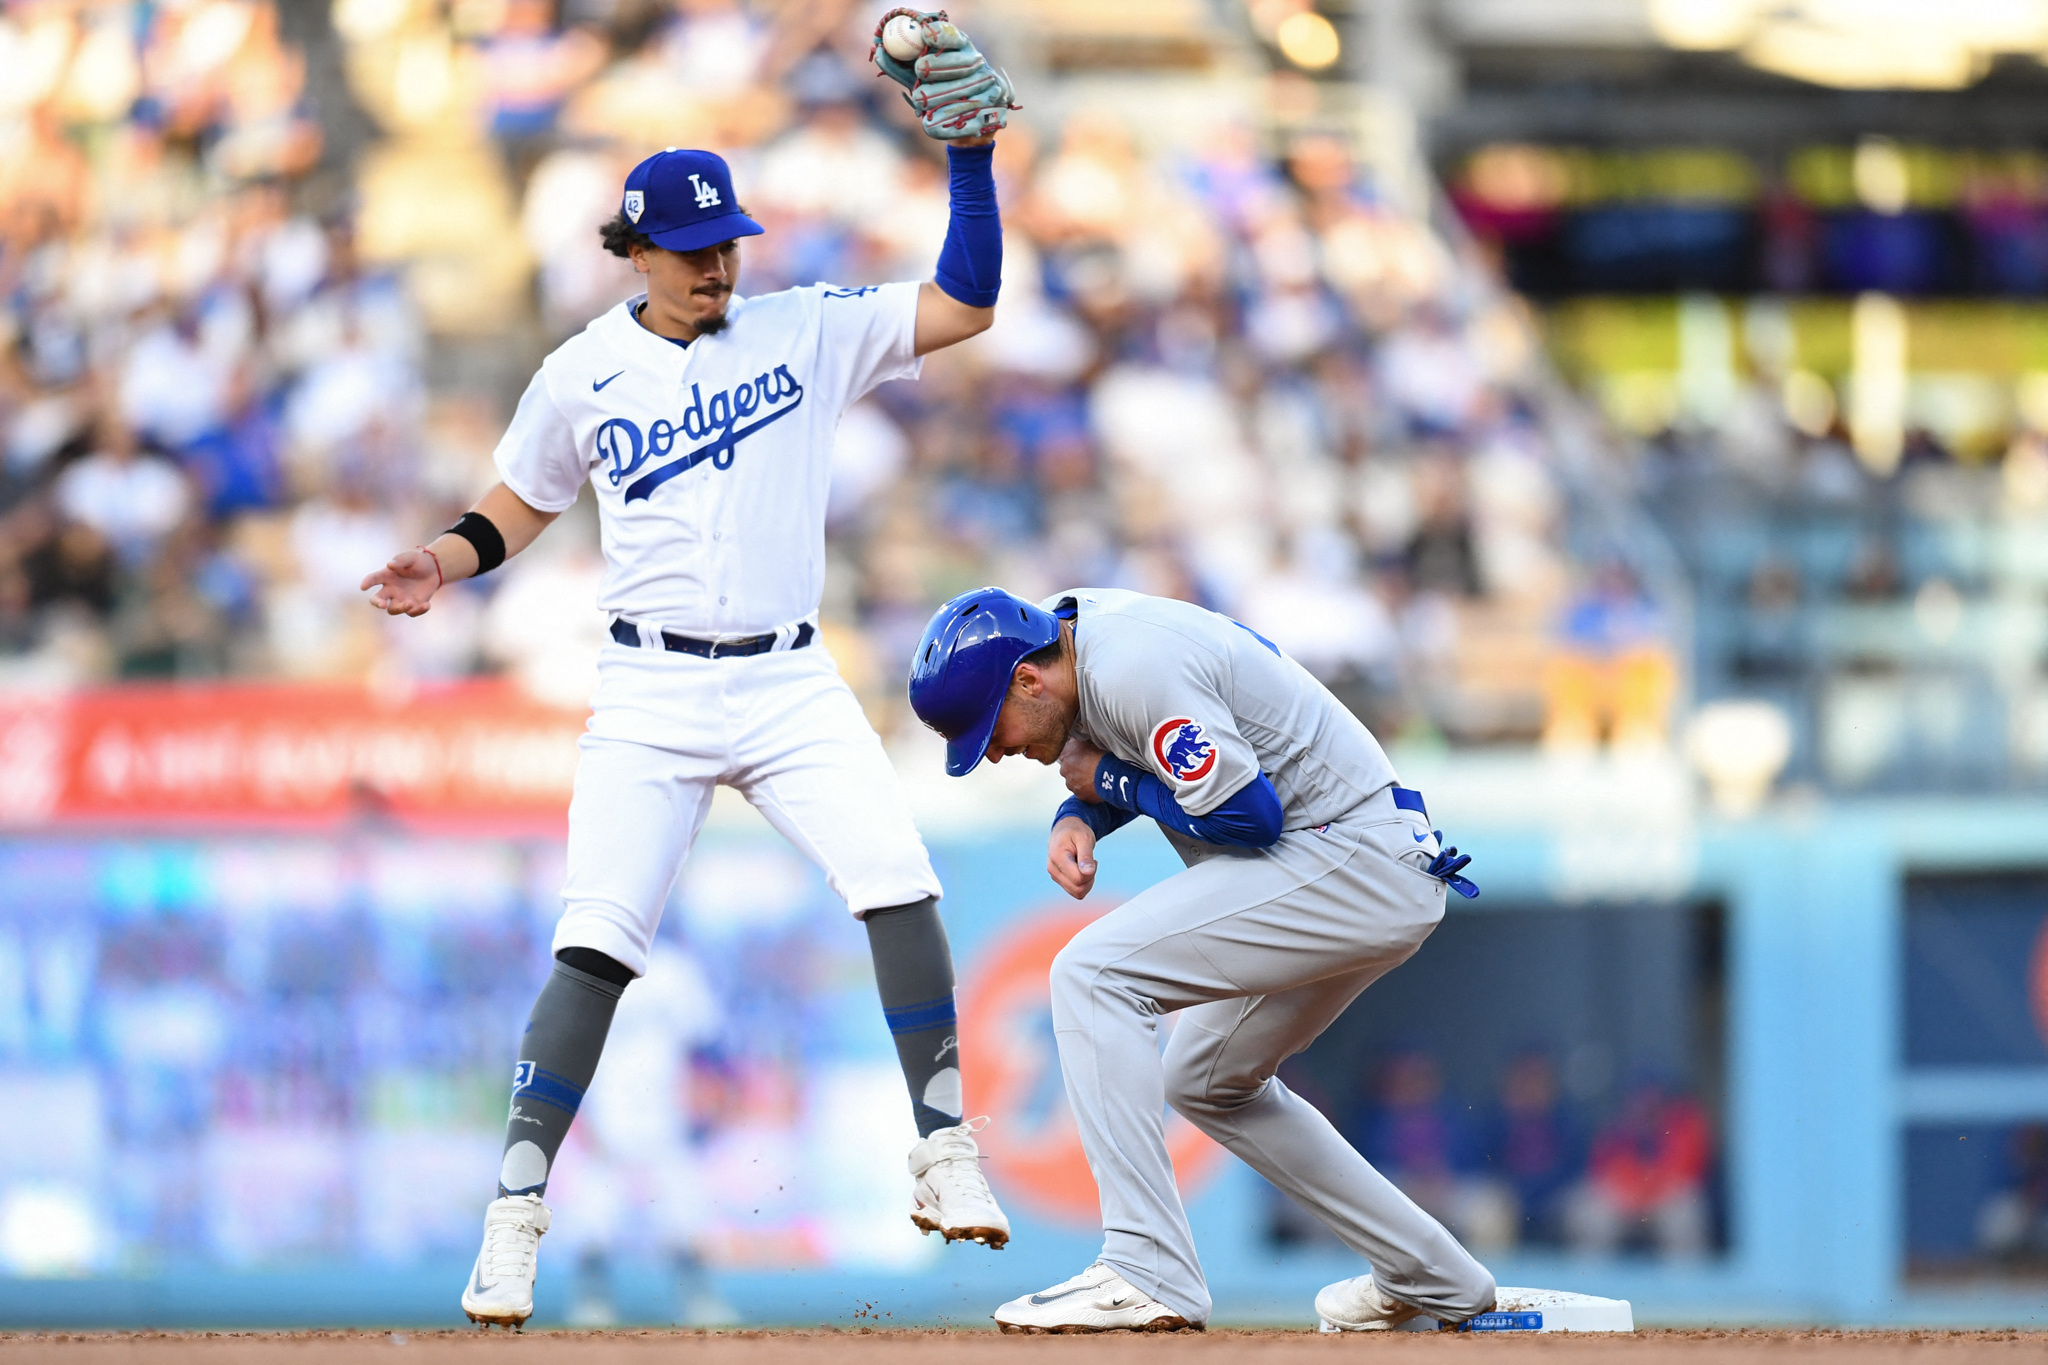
1075 966
1082 972
1069 978
1199 1083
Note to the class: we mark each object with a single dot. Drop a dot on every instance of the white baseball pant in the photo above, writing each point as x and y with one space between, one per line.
781 727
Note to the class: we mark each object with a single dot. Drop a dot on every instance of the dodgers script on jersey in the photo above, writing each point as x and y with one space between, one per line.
711 462
1207 705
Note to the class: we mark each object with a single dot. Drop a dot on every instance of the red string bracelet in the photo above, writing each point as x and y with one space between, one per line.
439 581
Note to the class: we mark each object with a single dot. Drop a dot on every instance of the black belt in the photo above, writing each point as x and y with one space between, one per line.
626 633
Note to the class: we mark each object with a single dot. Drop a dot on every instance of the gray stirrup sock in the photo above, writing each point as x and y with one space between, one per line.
557 1057
914 972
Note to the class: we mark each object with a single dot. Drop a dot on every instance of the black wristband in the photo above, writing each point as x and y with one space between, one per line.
483 537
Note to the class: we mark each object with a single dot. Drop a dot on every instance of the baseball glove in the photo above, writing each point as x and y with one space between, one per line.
954 90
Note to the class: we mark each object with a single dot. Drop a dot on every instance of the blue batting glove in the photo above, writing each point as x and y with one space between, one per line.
1446 866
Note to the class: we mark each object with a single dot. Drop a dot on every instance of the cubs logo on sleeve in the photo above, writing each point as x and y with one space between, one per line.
1180 746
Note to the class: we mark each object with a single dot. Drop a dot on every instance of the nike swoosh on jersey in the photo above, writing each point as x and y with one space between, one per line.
597 386
648 482
1422 838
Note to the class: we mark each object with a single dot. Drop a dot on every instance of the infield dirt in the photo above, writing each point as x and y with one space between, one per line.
956 1347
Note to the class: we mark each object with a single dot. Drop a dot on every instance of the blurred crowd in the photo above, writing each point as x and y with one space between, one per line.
2012 1224
1897 614
1532 1167
281 1052
1831 355
238 368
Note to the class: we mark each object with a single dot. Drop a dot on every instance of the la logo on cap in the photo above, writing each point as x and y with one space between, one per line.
683 201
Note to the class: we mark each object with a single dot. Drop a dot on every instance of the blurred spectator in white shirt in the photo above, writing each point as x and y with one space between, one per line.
543 624
1431 374
835 166
347 392
172 390
715 47
130 498
868 454
332 538
1329 625
570 195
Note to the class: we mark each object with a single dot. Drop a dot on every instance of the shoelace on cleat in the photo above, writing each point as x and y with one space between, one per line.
956 1164
961 1177
509 1246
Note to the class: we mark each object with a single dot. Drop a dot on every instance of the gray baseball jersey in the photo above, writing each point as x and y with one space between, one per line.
1207 704
1259 950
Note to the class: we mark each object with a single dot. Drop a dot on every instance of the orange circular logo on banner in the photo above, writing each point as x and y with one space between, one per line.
1011 1067
2037 981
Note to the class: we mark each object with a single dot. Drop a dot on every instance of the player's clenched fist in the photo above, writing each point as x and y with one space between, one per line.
1070 856
1078 761
406 585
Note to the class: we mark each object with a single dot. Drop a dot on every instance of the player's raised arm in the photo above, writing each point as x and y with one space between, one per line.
500 525
962 101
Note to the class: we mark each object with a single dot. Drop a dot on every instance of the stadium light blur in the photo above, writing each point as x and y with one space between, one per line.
1703 25
1739 747
1309 41
1859 44
1877 381
1879 172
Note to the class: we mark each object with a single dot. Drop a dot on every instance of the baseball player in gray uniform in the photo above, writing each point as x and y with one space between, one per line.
1310 873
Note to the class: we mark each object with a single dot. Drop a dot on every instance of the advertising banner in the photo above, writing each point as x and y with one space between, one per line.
476 751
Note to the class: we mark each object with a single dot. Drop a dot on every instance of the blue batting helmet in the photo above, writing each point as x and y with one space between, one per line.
963 665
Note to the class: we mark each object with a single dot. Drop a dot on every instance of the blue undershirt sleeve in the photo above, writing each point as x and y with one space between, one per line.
971 261
1103 818
1249 818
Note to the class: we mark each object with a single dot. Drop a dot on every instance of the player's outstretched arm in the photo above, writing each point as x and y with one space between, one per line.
500 525
962 101
960 300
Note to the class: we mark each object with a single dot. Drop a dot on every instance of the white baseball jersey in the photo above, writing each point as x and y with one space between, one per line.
711 462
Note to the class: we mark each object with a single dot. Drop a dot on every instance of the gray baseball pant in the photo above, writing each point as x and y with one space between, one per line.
1262 949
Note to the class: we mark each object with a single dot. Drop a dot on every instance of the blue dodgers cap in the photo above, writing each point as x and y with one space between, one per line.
683 201
962 668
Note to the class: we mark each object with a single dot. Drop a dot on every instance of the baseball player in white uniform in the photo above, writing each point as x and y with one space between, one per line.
1310 874
704 423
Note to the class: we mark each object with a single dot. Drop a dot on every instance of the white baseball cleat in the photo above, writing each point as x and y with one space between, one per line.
952 1197
1359 1305
500 1289
1096 1300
